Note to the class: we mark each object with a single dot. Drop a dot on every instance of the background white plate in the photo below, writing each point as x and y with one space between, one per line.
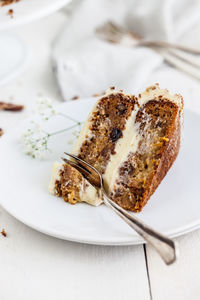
14 56
27 11
174 209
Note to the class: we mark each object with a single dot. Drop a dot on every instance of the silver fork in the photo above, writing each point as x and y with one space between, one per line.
164 246
114 33
117 34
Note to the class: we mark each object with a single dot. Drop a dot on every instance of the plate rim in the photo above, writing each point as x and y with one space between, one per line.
33 16
115 242
23 64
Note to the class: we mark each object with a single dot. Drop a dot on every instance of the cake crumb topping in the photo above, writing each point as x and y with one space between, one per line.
3 232
75 98
10 12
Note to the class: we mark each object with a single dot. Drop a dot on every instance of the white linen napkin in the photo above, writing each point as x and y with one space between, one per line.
85 65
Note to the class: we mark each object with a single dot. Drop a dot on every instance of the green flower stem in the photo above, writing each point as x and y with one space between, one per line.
61 131
70 118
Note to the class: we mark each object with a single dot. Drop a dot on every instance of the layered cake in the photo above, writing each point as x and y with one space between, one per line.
132 141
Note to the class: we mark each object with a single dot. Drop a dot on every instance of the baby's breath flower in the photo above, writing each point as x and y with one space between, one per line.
46 108
35 141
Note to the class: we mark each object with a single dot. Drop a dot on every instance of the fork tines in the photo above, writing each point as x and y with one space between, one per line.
88 171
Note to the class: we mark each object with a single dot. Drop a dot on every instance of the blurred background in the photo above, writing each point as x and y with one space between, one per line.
51 48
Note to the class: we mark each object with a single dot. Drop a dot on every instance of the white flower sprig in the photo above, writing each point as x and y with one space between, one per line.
35 139
46 108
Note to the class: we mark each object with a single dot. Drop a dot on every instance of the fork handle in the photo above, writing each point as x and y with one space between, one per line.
171 56
164 246
181 63
163 44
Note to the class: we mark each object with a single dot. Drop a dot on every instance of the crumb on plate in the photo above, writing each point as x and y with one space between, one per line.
3 232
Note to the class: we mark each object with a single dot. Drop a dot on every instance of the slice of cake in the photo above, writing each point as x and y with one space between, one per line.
132 141
158 125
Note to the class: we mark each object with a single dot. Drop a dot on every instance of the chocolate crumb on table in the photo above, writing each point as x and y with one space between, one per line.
1 132
10 13
3 232
75 98
10 107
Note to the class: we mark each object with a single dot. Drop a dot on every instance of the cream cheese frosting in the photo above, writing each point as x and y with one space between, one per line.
55 176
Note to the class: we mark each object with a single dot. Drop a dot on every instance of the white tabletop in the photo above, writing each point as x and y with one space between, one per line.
36 266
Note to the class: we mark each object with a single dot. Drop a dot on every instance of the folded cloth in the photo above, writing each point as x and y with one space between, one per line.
85 65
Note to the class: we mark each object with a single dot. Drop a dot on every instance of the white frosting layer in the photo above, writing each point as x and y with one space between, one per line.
129 143
90 195
87 192
85 133
55 176
153 93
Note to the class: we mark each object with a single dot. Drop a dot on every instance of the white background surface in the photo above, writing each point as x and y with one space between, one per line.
35 266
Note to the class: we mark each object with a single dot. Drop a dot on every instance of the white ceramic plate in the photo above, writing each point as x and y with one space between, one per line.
26 11
174 209
14 57
14 54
